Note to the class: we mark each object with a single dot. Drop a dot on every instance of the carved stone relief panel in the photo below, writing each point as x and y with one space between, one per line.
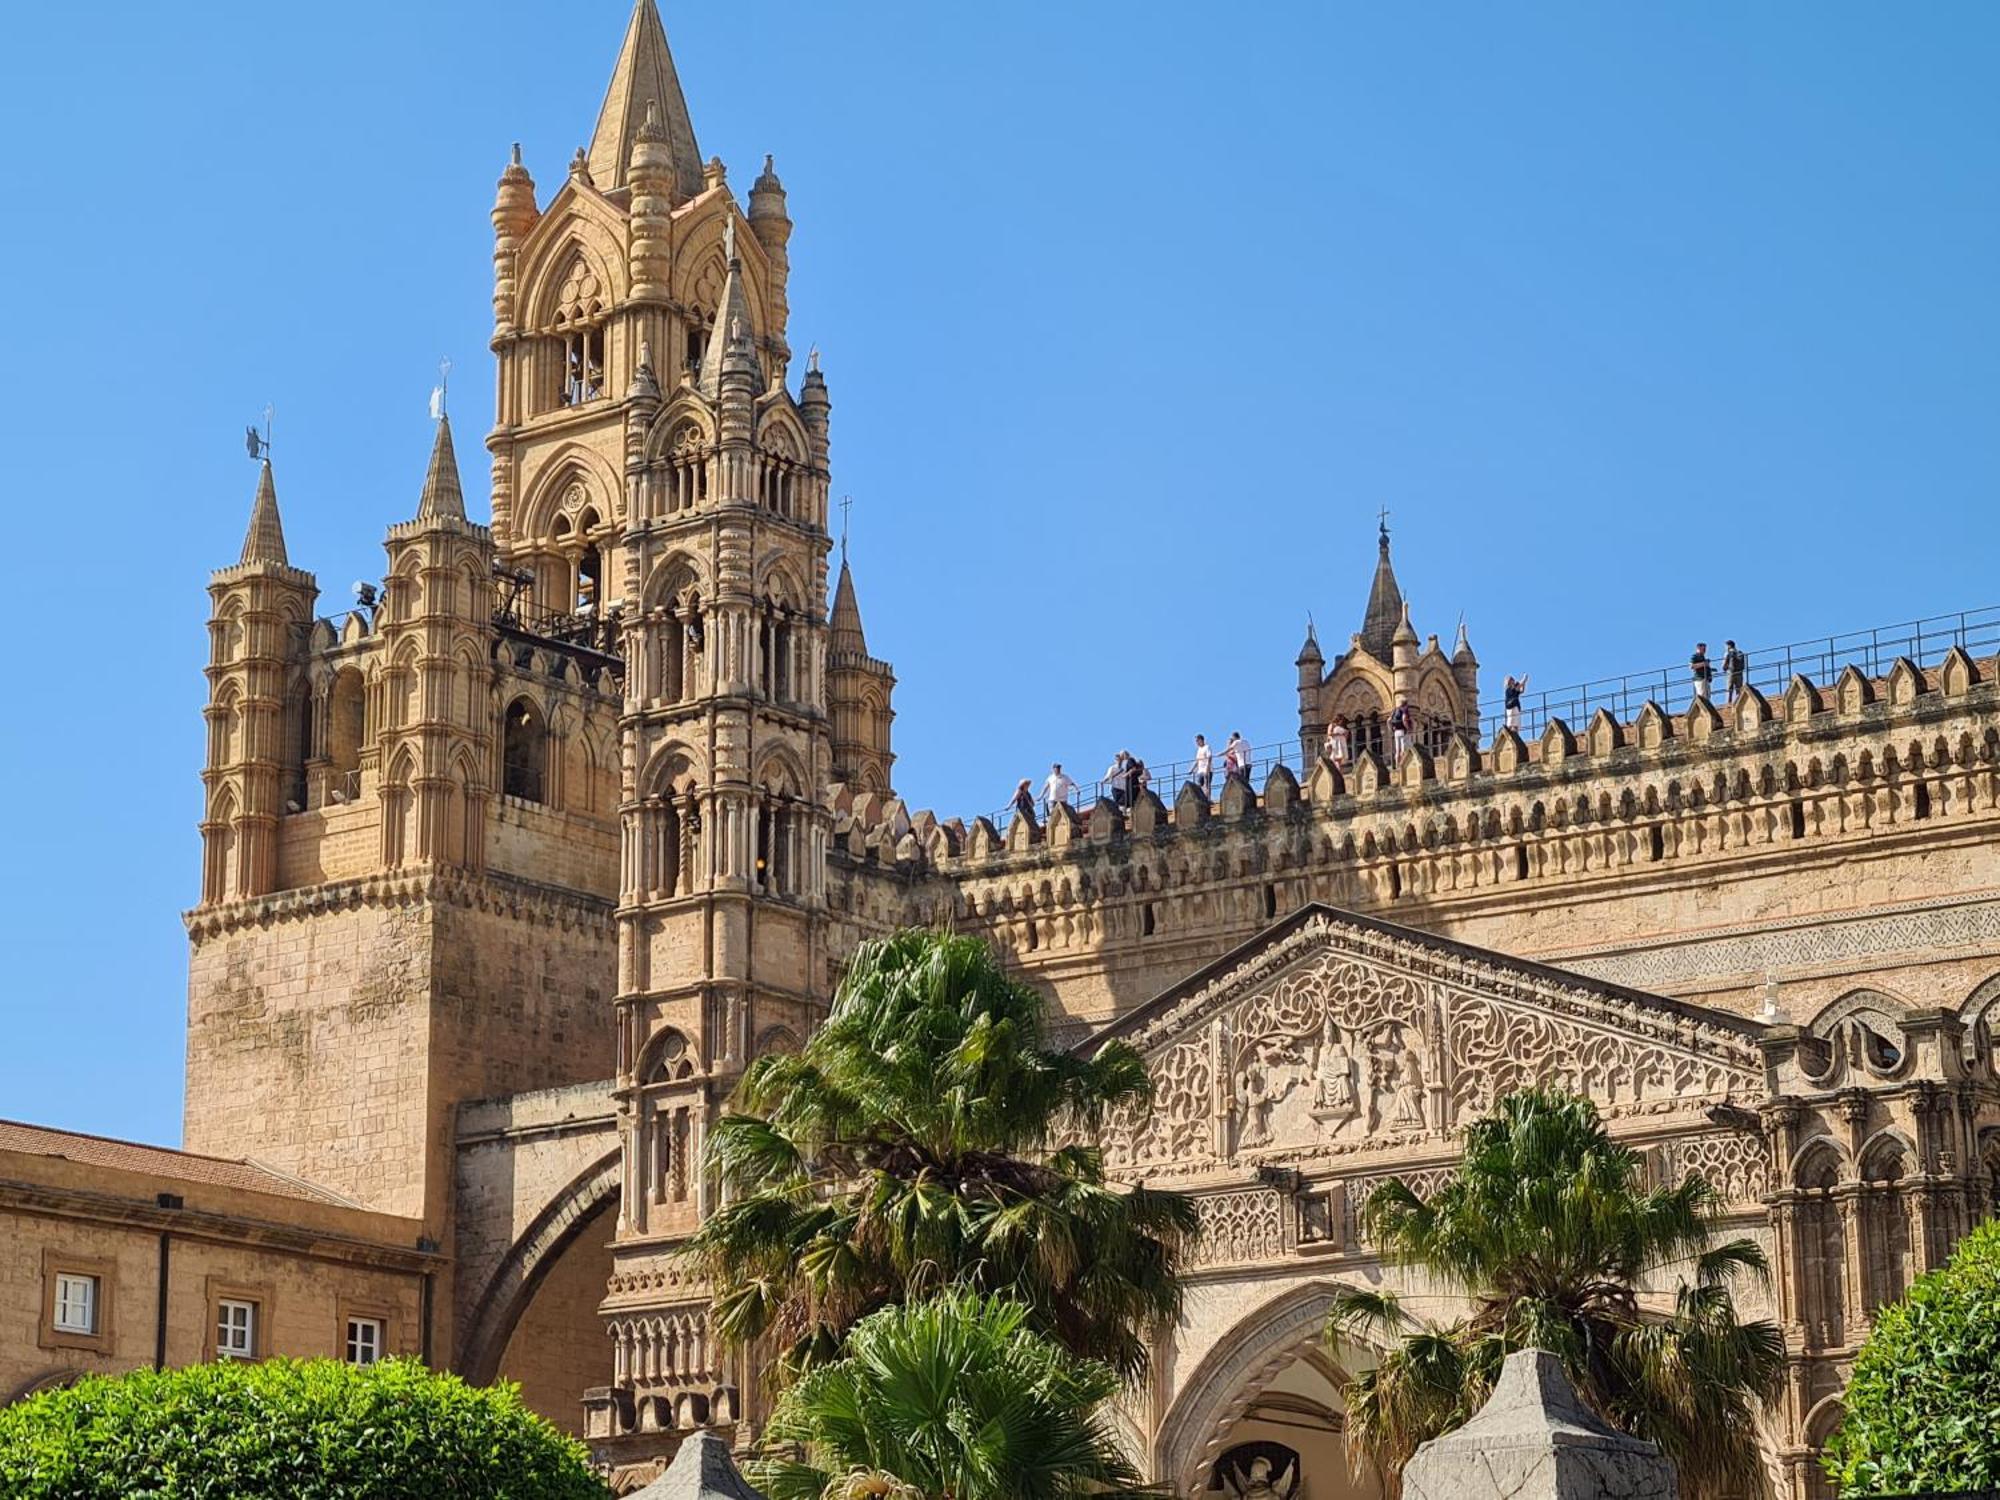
1337 1039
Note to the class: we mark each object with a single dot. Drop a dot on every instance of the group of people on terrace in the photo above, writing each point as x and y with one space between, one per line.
1127 778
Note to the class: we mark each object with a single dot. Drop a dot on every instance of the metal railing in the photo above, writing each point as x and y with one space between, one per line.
588 632
1770 670
1432 731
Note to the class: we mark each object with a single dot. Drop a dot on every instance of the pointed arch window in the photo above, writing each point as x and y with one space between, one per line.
579 332
525 752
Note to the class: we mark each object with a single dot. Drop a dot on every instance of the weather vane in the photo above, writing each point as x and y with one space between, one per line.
438 391
259 443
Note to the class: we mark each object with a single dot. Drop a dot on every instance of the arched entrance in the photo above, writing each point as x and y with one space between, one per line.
1261 1416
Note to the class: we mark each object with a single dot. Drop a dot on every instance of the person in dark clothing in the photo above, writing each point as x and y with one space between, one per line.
1701 669
1735 667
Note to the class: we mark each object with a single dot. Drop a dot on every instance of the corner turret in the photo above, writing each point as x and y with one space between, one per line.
514 214
772 225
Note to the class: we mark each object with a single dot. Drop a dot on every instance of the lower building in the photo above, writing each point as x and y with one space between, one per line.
116 1256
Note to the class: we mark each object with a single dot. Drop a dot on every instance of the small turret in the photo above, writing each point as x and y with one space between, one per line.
1465 672
1403 656
514 214
773 227
1312 674
652 180
264 542
860 696
816 407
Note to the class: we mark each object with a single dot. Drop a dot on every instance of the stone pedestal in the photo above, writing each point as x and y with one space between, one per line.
1535 1440
702 1470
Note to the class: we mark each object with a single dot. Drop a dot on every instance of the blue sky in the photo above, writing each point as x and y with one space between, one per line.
1646 322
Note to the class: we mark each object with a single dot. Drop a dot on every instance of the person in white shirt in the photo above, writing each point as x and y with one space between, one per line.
1118 778
1058 788
1236 758
1204 765
1338 748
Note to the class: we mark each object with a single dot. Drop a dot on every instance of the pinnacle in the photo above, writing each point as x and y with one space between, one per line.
845 622
644 79
264 542
1385 605
731 342
442 495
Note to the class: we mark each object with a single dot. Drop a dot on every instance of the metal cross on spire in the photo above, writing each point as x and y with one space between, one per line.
846 505
1382 518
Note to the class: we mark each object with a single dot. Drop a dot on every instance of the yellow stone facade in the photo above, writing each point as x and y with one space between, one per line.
509 869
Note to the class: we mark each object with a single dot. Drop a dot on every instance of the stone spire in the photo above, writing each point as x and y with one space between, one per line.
846 619
1309 654
732 339
264 542
1385 605
442 495
644 75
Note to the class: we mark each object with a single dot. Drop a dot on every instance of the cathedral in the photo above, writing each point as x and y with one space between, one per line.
508 871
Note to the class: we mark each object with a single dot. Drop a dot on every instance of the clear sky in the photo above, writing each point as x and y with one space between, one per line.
1645 322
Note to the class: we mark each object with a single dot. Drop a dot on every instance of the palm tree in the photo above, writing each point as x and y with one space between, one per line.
951 1398
912 1146
1548 1227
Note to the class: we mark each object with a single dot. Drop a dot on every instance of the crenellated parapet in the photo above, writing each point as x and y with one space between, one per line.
1482 839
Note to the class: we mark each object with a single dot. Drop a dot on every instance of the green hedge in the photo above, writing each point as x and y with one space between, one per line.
1923 1408
296 1429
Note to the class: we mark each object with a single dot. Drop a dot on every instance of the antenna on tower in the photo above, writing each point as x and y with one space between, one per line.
259 443
438 391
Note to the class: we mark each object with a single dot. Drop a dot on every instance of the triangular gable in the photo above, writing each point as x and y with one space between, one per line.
1332 1034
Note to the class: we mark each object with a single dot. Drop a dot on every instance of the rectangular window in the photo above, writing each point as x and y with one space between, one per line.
365 1338
235 1329
76 1304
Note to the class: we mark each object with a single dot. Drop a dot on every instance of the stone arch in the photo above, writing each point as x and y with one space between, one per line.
670 767
1222 1385
546 263
582 1202
569 479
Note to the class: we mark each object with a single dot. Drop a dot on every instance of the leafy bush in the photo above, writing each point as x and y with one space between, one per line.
300 1429
1923 1408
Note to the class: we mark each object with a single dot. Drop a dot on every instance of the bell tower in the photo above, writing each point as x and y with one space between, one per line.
658 487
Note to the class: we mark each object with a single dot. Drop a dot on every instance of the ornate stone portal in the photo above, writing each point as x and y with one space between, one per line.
1300 1072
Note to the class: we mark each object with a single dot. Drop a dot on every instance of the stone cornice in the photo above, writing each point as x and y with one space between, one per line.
490 892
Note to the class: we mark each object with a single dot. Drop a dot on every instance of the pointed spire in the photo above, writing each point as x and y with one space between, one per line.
264 542
1385 604
644 75
442 495
1309 652
732 337
845 621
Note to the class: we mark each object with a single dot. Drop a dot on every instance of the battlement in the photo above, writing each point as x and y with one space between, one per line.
1515 845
